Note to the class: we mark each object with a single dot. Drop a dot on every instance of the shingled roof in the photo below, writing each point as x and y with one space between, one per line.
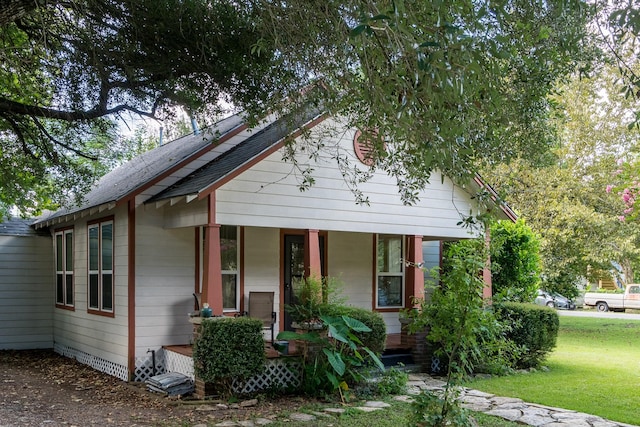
126 179
20 227
236 157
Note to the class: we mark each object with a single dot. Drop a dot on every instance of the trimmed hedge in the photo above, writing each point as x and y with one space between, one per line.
227 349
534 329
374 340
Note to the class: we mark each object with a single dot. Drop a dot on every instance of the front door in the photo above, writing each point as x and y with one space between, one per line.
294 269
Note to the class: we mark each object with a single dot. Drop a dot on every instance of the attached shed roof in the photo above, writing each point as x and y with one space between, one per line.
20 227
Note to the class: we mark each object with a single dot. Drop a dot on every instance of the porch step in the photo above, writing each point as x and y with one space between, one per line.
392 357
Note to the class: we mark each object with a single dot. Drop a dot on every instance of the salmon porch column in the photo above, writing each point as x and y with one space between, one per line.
415 276
212 269
487 290
312 254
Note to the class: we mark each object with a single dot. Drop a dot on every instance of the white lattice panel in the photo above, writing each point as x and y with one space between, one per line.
145 369
97 363
176 362
279 373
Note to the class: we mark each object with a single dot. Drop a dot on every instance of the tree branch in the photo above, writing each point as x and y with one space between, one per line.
61 144
100 110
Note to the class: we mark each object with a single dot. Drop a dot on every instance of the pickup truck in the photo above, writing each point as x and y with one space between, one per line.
615 302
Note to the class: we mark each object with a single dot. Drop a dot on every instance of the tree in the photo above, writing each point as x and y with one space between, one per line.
444 86
566 201
515 261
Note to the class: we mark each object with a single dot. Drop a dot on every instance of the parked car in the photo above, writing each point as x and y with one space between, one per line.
554 300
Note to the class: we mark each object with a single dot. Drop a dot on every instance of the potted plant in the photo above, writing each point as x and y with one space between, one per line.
311 299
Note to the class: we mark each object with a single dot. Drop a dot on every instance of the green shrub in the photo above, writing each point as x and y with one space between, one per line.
515 261
228 349
374 340
337 362
392 381
534 330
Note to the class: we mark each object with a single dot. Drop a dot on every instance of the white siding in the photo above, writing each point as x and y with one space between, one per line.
165 282
262 264
26 292
101 336
268 195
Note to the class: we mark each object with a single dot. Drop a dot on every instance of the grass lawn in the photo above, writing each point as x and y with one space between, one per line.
595 368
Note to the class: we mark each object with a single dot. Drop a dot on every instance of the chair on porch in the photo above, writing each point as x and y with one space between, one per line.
261 307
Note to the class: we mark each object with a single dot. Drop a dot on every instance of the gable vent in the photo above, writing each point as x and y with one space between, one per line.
363 148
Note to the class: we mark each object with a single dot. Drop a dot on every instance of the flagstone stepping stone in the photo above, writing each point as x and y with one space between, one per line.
335 410
299 416
367 408
376 404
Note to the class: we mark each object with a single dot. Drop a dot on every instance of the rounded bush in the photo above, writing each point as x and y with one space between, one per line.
374 340
227 349
534 330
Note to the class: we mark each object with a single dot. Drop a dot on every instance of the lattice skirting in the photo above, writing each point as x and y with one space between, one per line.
145 369
176 362
97 363
281 373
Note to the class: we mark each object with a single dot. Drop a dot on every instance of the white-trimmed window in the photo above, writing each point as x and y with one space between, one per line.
64 268
229 261
101 286
390 271
229 256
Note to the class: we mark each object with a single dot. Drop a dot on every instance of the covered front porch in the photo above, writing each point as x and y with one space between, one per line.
282 368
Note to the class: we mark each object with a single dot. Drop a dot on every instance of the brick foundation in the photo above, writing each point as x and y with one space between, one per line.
421 349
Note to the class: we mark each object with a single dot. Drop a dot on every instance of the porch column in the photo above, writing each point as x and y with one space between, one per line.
312 263
487 290
414 274
212 269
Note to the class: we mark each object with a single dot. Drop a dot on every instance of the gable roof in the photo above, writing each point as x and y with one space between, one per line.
126 180
149 168
233 160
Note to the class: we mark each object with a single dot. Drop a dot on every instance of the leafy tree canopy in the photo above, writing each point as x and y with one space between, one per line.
566 202
437 85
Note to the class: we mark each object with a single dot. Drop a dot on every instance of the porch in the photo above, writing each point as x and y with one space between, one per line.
282 369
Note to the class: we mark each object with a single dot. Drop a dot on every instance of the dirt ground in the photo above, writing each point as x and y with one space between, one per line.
41 388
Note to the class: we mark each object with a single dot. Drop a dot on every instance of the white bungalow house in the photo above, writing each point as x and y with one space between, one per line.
221 214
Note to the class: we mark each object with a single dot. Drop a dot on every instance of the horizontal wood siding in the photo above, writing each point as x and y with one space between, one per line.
101 336
26 292
262 264
268 195
165 277
351 265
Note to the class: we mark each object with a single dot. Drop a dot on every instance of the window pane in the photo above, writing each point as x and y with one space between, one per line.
68 251
93 248
389 291
69 289
59 252
229 292
107 247
107 292
59 289
389 254
229 247
93 291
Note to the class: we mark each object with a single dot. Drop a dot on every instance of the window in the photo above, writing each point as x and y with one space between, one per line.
229 257
229 260
101 292
64 268
390 272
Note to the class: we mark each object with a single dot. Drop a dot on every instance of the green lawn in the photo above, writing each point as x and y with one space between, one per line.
595 368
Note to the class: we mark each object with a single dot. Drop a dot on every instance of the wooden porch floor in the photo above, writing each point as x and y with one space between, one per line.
393 342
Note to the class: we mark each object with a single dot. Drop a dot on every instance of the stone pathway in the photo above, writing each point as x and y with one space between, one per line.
505 407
